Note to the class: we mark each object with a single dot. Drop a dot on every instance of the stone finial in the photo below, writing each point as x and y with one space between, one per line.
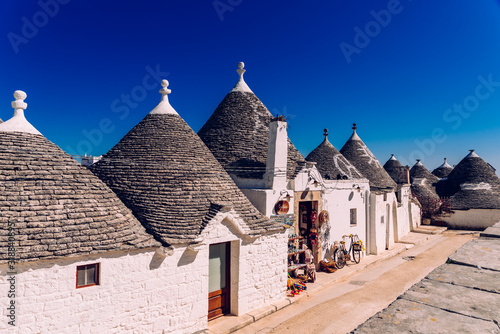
164 106
326 133
241 85
165 91
241 69
18 122
354 127
19 103
471 151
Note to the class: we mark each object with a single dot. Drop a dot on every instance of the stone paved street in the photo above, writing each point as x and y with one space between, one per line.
461 296
340 304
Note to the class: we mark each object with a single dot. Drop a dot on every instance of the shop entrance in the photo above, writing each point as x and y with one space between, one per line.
308 224
218 280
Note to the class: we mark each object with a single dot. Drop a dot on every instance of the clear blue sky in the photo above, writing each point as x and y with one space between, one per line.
402 78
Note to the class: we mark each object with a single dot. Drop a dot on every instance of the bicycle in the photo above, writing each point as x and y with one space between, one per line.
355 247
339 255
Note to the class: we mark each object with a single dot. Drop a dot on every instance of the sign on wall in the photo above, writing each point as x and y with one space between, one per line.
286 220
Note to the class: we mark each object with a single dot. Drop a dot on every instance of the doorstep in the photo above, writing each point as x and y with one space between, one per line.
430 229
231 323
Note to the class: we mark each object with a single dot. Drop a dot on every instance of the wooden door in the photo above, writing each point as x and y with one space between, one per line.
218 280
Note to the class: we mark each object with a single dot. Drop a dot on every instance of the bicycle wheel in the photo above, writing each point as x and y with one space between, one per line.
339 259
356 255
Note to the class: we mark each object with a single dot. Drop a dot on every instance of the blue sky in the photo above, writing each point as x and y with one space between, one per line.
421 78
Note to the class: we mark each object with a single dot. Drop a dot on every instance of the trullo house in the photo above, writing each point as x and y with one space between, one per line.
222 255
73 258
474 191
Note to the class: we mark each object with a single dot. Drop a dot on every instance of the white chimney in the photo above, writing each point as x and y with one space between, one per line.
277 151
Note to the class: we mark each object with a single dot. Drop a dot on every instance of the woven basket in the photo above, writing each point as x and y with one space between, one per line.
356 247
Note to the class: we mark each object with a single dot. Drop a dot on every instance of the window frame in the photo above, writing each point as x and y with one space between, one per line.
97 274
353 213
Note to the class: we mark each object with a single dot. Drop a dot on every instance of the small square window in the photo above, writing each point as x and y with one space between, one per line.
87 275
354 217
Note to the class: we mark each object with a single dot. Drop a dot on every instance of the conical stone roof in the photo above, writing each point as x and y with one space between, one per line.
171 181
418 171
395 170
423 186
56 207
331 163
472 184
443 170
365 162
237 134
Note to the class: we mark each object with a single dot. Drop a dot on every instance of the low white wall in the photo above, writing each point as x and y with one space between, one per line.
139 292
338 200
477 219
416 215
381 219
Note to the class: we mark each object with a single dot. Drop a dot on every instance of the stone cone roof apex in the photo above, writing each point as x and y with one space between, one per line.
472 154
164 106
18 122
446 164
241 85
354 135
326 141
393 157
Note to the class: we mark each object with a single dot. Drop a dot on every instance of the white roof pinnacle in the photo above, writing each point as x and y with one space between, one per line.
354 135
418 163
472 154
164 106
393 157
18 122
445 164
241 85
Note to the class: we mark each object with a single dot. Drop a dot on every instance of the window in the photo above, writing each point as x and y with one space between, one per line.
354 217
87 275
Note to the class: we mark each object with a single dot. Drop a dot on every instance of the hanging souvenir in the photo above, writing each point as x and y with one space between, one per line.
313 236
314 216
324 217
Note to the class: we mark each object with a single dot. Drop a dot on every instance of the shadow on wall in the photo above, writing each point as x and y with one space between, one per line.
187 257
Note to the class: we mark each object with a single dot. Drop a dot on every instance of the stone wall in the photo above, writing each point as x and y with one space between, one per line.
475 219
144 292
